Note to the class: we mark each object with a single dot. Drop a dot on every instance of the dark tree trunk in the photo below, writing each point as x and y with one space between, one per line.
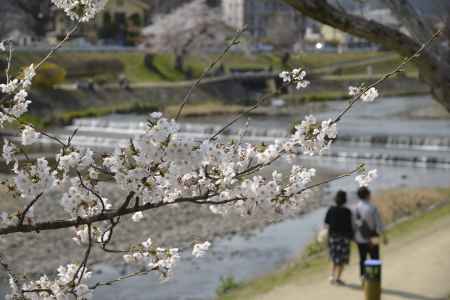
179 62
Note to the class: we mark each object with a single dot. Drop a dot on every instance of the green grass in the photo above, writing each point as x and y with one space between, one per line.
328 95
318 60
380 67
65 118
136 71
314 259
226 285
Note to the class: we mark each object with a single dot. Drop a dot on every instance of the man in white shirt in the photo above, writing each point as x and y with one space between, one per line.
368 228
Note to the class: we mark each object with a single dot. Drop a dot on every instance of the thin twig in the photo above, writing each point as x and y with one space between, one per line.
70 139
109 238
11 274
9 61
243 113
44 133
59 45
27 208
234 41
348 174
83 266
111 282
97 195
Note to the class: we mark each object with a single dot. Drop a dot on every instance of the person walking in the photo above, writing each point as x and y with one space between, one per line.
338 220
368 229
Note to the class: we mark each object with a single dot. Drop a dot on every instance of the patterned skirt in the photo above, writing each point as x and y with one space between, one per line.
339 248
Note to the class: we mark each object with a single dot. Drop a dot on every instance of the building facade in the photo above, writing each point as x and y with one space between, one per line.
119 23
257 15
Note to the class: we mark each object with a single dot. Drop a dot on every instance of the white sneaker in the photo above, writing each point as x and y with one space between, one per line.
332 280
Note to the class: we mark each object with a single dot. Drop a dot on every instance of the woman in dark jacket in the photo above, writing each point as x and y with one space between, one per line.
340 233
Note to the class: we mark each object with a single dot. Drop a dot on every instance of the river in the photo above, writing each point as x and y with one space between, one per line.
408 152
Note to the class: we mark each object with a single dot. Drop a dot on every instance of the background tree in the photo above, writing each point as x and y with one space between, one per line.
192 27
280 36
433 64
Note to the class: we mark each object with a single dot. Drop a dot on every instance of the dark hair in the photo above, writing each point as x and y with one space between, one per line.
363 193
341 198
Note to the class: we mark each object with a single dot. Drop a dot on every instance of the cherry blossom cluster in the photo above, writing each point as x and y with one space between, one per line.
99 233
153 258
368 96
313 136
80 10
296 76
70 283
367 177
160 167
15 102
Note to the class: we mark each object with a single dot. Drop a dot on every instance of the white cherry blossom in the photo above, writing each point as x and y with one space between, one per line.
201 249
9 151
296 76
29 136
137 217
365 179
80 10
369 96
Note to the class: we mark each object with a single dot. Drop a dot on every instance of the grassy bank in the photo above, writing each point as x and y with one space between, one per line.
136 71
218 108
394 205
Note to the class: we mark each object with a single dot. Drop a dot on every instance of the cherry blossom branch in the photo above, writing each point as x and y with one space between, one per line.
41 131
58 224
234 42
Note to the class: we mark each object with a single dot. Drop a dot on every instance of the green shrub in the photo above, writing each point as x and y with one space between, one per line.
315 248
48 76
226 285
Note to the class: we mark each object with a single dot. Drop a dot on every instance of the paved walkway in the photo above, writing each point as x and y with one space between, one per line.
416 268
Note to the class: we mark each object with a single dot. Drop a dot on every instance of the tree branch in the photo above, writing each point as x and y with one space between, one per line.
378 33
433 69
108 215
